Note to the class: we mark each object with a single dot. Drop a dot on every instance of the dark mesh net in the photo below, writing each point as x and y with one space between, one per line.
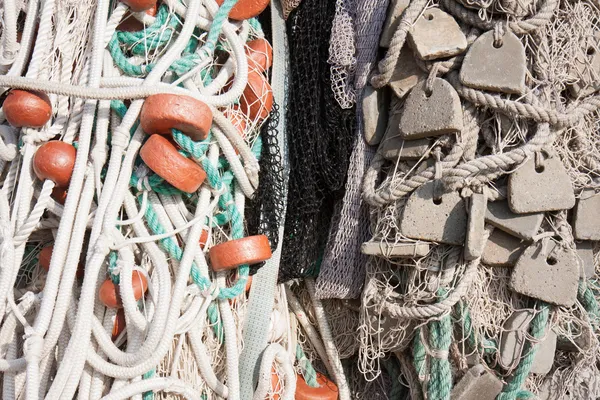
320 137
264 212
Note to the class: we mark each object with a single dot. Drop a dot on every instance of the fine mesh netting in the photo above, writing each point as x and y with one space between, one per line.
320 134
265 210
343 270
342 53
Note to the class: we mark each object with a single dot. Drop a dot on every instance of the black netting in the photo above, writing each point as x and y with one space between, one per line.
320 137
264 212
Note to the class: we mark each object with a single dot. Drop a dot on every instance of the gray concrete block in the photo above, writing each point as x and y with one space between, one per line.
544 355
550 274
532 189
586 218
499 69
431 114
523 226
475 227
375 104
393 147
585 254
502 249
425 218
395 250
477 384
513 337
435 34
406 73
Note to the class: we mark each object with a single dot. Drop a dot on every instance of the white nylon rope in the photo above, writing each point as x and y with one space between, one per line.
149 335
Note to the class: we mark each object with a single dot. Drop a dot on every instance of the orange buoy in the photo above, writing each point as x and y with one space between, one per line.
59 194
257 99
248 284
163 112
140 5
45 256
327 390
27 108
109 292
162 157
232 254
203 238
119 324
55 160
131 24
275 385
237 118
260 55
245 9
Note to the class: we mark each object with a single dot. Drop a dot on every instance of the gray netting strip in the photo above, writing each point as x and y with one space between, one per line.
343 269
342 53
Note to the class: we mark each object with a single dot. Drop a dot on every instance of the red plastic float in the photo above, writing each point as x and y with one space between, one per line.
257 99
163 112
45 256
140 5
232 254
109 292
327 390
119 324
131 24
25 108
260 55
162 157
55 160
245 9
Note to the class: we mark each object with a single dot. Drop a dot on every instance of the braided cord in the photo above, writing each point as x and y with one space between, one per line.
512 390
440 338
308 371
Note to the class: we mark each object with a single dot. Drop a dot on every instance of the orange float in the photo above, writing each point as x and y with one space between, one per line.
257 98
45 256
119 324
203 238
59 194
139 5
260 55
163 112
109 292
131 24
162 157
327 390
55 160
245 9
232 254
237 118
27 108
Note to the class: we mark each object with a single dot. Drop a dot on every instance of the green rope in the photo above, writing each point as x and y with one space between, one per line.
487 346
112 268
419 354
308 372
217 24
512 390
440 380
397 391
586 297
150 394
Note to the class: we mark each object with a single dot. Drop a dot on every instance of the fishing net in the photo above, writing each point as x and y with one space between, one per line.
343 270
443 338
320 134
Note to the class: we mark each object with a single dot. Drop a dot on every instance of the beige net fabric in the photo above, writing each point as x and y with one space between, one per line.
343 269
342 53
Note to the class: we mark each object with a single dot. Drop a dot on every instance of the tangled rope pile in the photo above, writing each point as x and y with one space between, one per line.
185 187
